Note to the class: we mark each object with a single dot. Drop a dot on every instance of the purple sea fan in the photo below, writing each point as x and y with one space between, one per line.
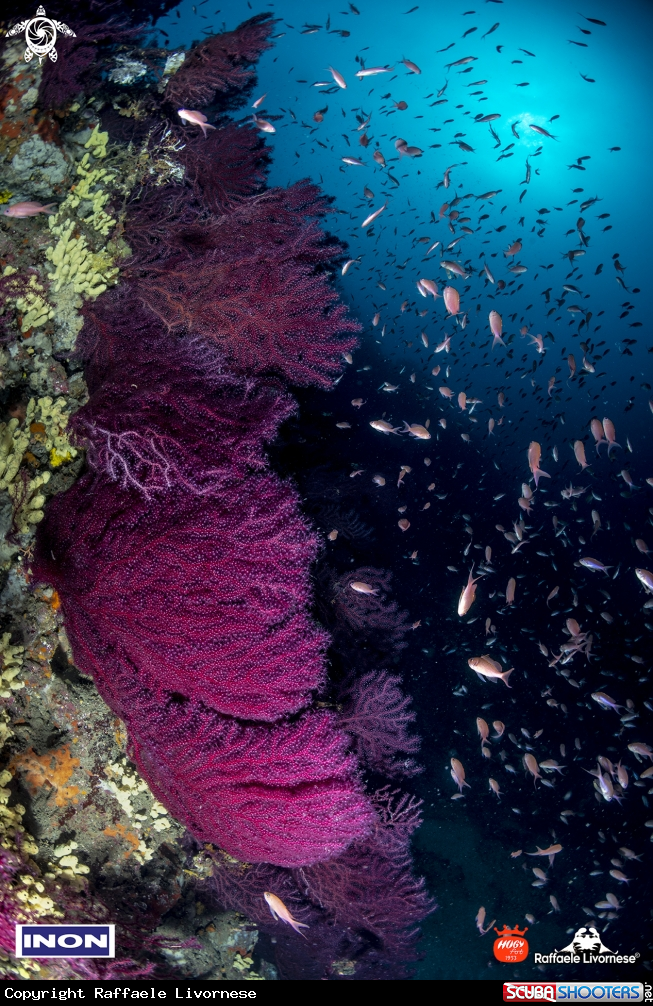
370 892
224 167
222 63
378 716
205 597
254 286
190 424
285 793
170 223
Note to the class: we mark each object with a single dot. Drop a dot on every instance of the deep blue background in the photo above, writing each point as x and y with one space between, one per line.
464 846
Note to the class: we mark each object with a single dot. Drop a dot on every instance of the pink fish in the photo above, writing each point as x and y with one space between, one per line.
596 426
195 118
608 429
263 125
496 327
26 209
281 913
534 455
451 299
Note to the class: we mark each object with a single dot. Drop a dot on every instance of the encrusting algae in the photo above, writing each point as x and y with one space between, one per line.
62 752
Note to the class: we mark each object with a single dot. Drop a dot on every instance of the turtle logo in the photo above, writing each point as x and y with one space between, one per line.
41 35
510 945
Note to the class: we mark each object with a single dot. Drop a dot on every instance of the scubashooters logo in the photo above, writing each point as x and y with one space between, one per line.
586 948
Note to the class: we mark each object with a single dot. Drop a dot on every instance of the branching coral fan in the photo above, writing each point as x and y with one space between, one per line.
182 563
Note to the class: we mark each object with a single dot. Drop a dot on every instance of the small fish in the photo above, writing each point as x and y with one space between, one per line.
359 587
543 132
415 430
579 451
458 774
605 701
461 62
594 565
372 217
338 77
596 427
454 267
263 125
430 286
281 913
451 299
373 70
198 119
496 327
629 854
353 161
645 577
551 850
609 432
468 594
514 249
534 455
413 67
551 765
530 764
638 749
347 266
480 917
383 427
259 101
489 668
26 209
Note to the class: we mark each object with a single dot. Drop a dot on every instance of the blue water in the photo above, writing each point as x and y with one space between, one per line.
464 845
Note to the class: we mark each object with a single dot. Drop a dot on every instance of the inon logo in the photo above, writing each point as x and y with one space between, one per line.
66 941
40 35
510 945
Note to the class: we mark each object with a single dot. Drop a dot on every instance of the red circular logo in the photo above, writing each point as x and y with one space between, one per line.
510 945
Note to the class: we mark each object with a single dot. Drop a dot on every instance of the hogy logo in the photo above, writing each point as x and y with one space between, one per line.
510 945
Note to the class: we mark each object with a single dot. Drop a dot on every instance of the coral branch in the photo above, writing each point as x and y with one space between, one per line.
223 63
377 714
